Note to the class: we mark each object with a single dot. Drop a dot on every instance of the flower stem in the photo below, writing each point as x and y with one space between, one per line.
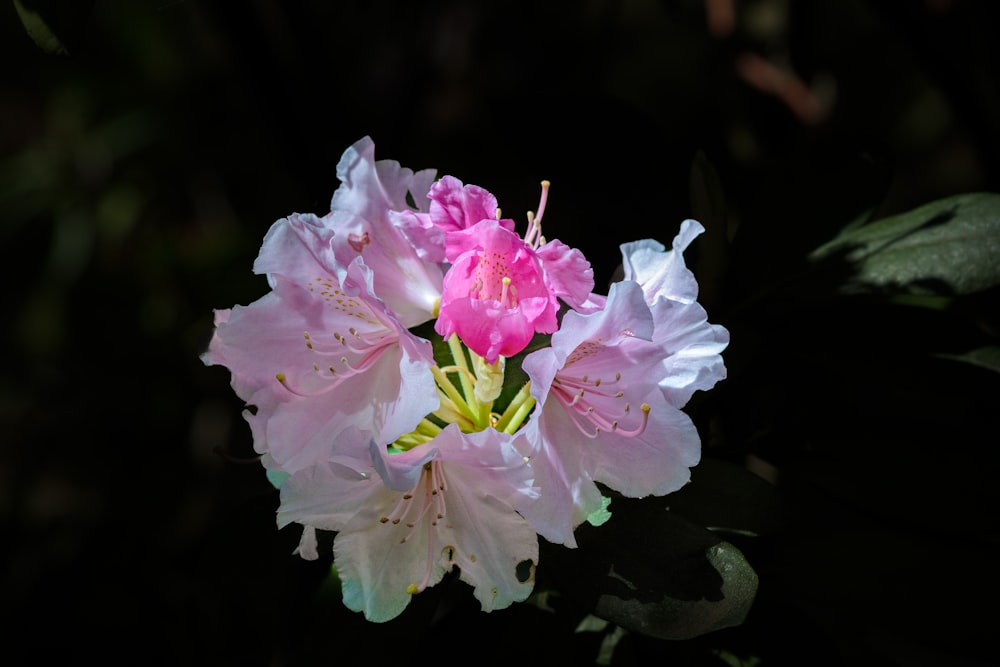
452 393
517 411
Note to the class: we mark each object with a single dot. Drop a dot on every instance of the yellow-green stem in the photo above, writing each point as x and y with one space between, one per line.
515 408
461 406
458 354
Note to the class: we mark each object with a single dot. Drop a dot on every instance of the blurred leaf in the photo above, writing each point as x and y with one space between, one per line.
653 572
985 357
708 206
729 498
708 201
53 25
950 246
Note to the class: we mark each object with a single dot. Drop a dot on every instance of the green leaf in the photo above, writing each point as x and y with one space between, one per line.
949 246
985 357
653 572
671 618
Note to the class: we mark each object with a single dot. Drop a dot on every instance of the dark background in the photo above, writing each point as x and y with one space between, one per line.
139 172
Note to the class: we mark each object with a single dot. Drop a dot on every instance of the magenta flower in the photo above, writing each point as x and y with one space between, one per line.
501 289
455 207
495 297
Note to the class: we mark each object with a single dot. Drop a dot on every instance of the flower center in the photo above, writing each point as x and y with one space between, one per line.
471 394
492 283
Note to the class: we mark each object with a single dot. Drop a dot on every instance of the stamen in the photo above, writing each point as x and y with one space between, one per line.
541 204
360 343
367 347
533 236
432 480
505 285
577 396
283 380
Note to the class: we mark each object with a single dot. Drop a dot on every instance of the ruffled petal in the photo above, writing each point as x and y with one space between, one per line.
662 273
568 273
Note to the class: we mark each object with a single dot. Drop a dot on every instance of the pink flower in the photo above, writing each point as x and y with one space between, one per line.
601 417
372 219
422 463
501 289
610 387
404 520
455 207
495 296
317 354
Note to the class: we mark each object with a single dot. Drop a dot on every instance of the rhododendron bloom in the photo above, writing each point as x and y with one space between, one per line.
501 289
424 459
602 416
404 520
317 355
368 216
495 298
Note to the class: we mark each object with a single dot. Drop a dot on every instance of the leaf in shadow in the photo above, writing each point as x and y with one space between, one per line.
949 246
651 571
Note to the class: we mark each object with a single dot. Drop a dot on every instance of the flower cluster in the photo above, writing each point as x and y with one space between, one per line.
386 405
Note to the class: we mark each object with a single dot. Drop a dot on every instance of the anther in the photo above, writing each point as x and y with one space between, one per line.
505 282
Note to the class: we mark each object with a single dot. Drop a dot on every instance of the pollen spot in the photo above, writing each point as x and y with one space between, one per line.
412 589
